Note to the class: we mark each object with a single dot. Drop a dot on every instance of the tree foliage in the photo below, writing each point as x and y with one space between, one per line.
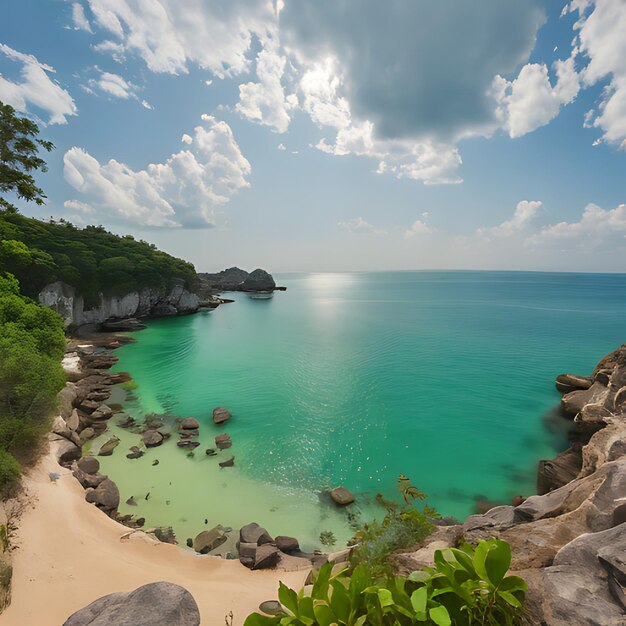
32 344
19 157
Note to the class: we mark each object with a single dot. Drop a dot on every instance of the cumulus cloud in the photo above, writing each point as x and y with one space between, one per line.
186 190
531 101
115 86
34 91
600 43
523 217
594 227
168 35
417 228
360 227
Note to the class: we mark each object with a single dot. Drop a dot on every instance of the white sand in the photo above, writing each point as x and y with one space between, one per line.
69 554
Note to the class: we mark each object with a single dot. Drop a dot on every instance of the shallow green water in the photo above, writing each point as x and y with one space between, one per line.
354 378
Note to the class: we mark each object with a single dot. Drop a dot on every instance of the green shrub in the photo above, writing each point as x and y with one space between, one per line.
327 538
466 587
400 529
9 469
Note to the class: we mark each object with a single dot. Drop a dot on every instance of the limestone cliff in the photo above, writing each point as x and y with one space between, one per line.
145 303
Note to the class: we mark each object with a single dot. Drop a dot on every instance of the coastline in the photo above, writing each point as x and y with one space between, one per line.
68 553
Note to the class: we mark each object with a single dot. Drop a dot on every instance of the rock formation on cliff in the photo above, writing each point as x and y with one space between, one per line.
235 279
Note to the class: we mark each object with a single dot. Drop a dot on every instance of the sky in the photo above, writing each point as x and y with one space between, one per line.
333 135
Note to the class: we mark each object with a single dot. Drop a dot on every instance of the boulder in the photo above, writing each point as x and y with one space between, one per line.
190 423
187 443
108 446
209 540
59 427
287 544
220 415
155 604
258 280
566 383
86 434
574 401
67 452
89 406
152 438
89 465
341 496
106 495
253 533
229 462
223 441
103 412
266 556
88 480
554 473
65 400
73 421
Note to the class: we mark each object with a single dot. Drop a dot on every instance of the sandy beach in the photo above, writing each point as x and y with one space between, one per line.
68 554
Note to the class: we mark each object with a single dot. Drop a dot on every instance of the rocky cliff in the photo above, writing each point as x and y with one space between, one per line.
145 303
569 544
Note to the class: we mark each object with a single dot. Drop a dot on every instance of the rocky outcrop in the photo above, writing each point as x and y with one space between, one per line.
235 279
259 280
145 303
155 604
341 496
569 542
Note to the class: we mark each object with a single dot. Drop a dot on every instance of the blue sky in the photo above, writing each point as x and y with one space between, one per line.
336 134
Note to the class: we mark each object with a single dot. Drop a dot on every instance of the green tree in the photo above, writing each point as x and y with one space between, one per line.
19 157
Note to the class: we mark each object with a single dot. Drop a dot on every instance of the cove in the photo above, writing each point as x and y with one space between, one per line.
353 378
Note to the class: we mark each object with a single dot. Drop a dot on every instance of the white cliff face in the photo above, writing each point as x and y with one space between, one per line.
148 302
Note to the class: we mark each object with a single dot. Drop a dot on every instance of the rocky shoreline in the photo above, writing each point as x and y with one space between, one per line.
569 541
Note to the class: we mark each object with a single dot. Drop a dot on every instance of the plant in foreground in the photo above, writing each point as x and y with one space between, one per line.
466 587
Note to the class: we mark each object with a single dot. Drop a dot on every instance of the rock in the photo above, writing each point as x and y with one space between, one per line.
89 465
67 452
190 423
106 495
253 533
209 540
591 418
220 415
89 406
73 422
223 441
258 280
107 448
103 412
86 434
59 427
155 604
155 462
165 534
88 480
152 438
580 586
555 473
134 454
65 400
210 452
131 501
341 496
229 462
517 500
614 359
566 383
270 607
287 544
226 280
574 401
247 550
187 443
266 556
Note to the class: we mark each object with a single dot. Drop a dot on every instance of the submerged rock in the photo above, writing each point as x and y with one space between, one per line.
155 604
190 423
223 441
209 540
152 438
107 448
221 415
229 462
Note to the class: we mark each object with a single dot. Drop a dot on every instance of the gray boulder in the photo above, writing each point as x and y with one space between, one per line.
287 544
554 473
67 452
89 465
209 540
106 495
266 556
152 438
107 448
253 533
155 604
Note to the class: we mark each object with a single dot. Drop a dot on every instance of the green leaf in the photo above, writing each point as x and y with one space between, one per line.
492 559
255 619
320 586
385 597
439 615
510 598
513 583
288 598
418 600
323 615
419 576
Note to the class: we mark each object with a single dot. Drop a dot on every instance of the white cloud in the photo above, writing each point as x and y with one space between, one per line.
264 101
114 85
116 50
417 229
187 190
530 101
34 89
78 17
523 217
146 105
359 226
601 43
281 146
168 34
187 139
594 227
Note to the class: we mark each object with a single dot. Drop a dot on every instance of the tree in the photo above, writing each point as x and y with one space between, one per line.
19 156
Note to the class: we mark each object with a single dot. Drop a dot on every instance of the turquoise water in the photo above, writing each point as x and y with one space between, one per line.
353 378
